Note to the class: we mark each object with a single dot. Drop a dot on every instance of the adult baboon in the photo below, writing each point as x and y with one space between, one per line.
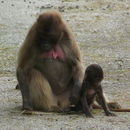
49 68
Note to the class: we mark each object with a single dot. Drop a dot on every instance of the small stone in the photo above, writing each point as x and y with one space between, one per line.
108 6
77 6
42 7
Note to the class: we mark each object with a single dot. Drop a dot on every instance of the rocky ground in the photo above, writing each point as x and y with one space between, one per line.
102 30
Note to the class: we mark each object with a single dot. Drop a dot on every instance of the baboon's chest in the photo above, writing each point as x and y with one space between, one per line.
90 96
57 72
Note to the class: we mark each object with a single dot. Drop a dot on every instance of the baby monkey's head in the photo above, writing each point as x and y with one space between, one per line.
94 74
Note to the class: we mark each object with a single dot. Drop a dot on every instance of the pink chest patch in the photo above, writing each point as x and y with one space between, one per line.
91 92
55 53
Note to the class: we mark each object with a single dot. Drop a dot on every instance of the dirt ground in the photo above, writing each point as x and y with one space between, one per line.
102 30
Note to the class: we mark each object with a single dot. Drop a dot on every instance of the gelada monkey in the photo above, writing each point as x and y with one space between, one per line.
92 90
49 70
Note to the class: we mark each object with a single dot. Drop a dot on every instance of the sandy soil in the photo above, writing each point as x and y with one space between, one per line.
102 30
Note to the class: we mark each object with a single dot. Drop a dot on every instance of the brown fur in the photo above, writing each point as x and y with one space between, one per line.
92 90
49 87
41 93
